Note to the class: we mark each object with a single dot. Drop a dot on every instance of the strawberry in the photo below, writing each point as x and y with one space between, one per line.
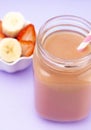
2 36
0 26
1 32
27 48
27 33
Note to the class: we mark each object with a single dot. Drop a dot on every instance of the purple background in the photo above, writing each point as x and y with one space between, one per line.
17 110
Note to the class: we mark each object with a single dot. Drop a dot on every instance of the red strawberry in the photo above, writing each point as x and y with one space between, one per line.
27 33
27 48
1 32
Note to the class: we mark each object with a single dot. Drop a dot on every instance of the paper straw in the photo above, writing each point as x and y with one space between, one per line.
85 43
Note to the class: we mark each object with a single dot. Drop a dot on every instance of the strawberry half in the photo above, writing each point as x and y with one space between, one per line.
27 48
1 32
27 33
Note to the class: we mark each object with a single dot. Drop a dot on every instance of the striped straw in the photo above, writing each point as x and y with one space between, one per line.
86 41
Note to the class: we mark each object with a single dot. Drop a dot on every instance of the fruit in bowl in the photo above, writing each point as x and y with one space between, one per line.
17 42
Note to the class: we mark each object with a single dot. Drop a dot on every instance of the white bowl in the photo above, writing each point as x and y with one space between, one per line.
20 64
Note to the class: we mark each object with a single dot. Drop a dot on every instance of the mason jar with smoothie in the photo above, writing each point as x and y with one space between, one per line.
62 74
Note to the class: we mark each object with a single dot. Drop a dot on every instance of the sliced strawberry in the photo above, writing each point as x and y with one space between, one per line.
27 33
27 48
1 32
2 36
0 26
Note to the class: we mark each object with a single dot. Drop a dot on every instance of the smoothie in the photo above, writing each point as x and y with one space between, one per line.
63 44
62 93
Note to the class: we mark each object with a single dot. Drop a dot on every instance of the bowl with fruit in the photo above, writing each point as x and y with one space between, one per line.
17 42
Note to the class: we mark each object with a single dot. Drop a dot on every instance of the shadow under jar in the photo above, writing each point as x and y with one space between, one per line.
62 74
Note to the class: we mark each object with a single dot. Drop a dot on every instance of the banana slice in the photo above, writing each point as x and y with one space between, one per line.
10 49
12 23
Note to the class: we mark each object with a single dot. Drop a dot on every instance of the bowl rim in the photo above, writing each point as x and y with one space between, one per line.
17 61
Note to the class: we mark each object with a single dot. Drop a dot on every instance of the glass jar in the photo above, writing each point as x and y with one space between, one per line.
62 87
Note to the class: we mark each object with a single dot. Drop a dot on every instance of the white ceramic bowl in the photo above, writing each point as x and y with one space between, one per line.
20 64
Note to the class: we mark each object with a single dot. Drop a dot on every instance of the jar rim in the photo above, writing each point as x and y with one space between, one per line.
60 61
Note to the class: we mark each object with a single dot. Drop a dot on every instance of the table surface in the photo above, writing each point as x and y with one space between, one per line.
17 111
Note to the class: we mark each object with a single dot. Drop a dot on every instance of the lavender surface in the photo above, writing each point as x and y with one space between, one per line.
17 111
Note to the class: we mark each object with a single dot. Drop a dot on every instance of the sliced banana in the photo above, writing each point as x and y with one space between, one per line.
12 23
10 49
